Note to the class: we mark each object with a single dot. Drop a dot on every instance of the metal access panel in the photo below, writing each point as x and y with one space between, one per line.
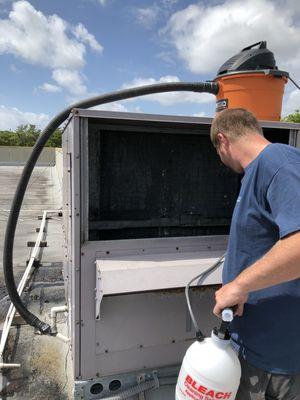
147 206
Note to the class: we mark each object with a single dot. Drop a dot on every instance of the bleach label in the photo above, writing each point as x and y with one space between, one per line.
196 391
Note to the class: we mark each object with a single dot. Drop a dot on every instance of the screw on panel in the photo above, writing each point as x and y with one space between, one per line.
38 229
43 243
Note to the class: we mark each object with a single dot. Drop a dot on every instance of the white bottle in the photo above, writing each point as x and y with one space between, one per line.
210 371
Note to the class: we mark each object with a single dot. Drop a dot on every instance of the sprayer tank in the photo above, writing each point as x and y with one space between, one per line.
210 370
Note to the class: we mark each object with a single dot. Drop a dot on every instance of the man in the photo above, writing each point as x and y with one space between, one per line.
261 274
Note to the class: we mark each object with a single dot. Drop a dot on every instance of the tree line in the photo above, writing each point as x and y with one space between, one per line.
294 117
26 135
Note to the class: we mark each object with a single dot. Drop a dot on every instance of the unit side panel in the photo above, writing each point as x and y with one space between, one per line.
76 244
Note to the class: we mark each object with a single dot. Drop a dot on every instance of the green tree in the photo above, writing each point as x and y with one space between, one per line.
7 138
55 139
294 117
27 135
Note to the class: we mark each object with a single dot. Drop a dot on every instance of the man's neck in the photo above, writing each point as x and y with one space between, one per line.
248 148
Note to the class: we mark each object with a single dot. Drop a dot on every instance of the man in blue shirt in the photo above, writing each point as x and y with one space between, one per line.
261 274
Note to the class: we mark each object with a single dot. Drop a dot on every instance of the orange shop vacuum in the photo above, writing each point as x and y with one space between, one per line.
251 80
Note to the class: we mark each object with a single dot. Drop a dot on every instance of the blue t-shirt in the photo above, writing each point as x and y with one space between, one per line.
267 209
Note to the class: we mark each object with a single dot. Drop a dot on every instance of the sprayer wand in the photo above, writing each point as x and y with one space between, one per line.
201 277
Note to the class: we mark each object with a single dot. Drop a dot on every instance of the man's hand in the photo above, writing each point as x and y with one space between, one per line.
230 295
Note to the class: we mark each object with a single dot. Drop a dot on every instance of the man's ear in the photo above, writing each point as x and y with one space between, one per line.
221 138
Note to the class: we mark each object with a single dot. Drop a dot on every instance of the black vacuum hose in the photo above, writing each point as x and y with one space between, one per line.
31 319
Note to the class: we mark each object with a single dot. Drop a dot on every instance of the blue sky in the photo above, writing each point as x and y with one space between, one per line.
56 52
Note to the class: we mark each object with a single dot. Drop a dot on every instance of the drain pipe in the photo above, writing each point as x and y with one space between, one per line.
6 365
53 314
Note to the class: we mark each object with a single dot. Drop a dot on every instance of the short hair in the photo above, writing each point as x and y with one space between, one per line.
234 122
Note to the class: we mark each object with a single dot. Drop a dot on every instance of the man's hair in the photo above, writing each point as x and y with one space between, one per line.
234 123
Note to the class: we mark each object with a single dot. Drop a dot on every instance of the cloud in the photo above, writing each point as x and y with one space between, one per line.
147 16
47 41
48 87
70 80
13 68
159 10
205 36
83 35
112 107
200 114
10 118
169 98
291 103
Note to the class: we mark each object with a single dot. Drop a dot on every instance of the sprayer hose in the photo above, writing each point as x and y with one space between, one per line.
31 319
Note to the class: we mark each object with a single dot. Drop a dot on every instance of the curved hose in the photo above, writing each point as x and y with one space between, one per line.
31 319
201 277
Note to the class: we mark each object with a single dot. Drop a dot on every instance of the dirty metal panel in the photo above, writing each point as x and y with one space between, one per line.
84 179
118 248
294 138
138 117
148 330
66 193
90 329
141 273
75 305
176 119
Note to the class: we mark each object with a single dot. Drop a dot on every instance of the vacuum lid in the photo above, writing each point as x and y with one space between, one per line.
249 59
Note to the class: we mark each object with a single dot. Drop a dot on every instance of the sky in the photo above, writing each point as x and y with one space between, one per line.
54 53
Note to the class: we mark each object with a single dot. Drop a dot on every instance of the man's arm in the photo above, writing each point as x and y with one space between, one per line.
280 264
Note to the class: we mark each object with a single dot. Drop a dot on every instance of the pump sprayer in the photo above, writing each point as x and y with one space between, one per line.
210 368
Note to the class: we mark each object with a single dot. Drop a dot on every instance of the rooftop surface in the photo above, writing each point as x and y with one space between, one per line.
44 360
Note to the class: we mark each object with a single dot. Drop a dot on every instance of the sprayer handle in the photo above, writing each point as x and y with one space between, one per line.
227 314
